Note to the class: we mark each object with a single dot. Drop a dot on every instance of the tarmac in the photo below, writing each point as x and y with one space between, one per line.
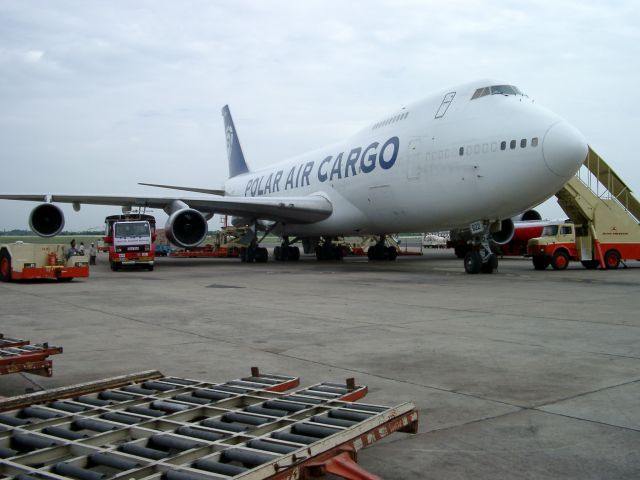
519 374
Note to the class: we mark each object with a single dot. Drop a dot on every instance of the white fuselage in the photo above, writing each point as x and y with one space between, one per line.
434 165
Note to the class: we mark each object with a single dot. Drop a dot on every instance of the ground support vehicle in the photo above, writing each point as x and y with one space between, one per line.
130 240
604 214
226 243
151 426
18 355
30 261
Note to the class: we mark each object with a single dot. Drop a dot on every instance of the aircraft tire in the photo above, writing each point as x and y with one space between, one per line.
490 265
277 253
472 262
612 259
392 253
560 261
294 254
261 255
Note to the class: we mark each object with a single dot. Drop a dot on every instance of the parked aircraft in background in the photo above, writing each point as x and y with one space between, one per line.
467 157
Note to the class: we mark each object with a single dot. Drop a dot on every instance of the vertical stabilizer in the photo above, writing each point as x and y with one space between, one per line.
237 164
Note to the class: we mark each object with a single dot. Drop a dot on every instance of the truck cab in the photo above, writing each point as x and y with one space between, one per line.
556 247
130 240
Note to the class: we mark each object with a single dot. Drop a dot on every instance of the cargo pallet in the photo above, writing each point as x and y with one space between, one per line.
151 426
18 355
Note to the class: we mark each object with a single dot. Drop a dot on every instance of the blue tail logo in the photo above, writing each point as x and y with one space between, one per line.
237 163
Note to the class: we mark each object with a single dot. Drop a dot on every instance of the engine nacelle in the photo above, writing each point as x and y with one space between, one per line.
527 216
186 228
46 220
505 234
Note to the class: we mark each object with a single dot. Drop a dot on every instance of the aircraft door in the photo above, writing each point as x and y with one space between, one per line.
414 157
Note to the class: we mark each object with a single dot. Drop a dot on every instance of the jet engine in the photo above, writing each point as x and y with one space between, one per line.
186 228
527 216
504 234
46 220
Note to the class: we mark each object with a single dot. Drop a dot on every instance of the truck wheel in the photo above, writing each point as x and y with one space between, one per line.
611 259
540 262
472 262
150 268
590 264
114 266
560 260
5 266
65 279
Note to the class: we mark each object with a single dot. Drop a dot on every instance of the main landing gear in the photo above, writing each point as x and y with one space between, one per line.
327 250
480 259
380 251
285 252
253 252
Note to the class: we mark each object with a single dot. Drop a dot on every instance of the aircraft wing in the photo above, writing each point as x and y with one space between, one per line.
309 209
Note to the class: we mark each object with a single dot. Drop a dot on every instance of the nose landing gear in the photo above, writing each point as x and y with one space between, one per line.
481 259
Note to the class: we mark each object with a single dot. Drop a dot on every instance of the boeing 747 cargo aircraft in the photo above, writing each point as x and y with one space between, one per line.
467 157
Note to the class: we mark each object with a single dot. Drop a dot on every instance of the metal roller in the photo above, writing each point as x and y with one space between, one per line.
301 399
68 470
292 437
219 467
246 457
113 461
367 408
29 441
7 452
198 433
140 451
313 430
138 389
316 393
93 425
189 398
169 407
334 421
355 416
13 421
272 412
150 412
243 418
93 401
178 381
211 394
36 412
122 418
169 442
117 396
289 407
229 427
68 406
64 433
159 386
271 446
226 388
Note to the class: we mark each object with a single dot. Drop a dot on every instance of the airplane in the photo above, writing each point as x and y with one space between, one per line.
467 157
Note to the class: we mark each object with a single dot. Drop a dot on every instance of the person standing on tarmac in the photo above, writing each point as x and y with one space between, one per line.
93 252
72 248
81 249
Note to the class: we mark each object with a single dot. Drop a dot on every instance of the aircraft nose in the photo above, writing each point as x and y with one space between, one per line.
564 149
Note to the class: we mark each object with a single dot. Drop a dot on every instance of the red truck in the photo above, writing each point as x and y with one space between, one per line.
130 240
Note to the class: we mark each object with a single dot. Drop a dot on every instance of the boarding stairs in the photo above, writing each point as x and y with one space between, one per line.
600 204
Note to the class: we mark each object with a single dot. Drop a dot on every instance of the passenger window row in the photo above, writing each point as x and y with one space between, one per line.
503 146
386 122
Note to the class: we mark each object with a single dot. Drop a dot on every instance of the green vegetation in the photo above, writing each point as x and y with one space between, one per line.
87 239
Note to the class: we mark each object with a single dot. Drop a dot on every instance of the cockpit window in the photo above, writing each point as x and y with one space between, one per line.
496 90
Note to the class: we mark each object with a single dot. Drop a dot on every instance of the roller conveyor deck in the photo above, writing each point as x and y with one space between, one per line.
150 426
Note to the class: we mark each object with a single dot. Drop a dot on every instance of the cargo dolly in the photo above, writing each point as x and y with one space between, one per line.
17 355
150 426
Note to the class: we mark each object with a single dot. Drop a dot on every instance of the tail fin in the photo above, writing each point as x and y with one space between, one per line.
237 164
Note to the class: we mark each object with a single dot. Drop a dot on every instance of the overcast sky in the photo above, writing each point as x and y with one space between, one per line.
96 96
